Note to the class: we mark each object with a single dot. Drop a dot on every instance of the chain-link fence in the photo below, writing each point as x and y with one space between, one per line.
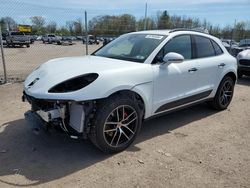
61 32
54 33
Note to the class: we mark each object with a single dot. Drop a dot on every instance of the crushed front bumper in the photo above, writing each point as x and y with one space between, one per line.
35 122
68 115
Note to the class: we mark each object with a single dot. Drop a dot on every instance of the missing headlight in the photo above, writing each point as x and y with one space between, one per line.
74 84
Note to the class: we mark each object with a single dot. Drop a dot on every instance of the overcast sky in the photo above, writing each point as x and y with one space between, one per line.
218 12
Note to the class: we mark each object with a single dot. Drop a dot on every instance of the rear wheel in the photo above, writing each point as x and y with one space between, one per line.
224 94
27 45
116 125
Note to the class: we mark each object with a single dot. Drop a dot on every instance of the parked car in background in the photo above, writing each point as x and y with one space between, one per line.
230 42
14 38
79 38
91 40
244 43
4 39
33 38
50 38
243 59
39 37
65 40
107 40
106 96
231 46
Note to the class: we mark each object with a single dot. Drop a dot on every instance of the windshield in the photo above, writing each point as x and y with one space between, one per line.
131 47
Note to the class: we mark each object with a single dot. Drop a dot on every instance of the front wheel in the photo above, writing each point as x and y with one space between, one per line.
116 125
224 94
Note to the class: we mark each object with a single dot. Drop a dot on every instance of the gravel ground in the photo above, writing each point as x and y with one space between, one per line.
20 61
194 147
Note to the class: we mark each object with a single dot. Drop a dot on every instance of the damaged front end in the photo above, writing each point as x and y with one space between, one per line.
73 118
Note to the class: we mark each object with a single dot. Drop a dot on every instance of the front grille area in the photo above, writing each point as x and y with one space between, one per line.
39 104
245 62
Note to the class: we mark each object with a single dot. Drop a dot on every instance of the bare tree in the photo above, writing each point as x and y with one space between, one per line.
70 27
38 23
8 23
51 27
78 26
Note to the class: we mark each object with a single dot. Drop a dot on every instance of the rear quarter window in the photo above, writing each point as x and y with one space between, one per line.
217 48
204 47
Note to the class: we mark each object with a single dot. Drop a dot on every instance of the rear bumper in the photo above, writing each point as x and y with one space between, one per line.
21 42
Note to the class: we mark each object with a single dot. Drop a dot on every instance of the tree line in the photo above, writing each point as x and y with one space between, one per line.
116 25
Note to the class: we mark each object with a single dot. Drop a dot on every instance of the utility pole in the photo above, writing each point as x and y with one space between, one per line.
145 19
232 35
2 53
86 33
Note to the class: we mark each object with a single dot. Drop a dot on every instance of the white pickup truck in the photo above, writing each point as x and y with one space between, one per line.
14 38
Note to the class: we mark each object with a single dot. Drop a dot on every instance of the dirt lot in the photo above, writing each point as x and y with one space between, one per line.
195 147
20 61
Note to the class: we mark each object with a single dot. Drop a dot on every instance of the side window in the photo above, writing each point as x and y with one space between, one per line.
181 45
217 48
204 47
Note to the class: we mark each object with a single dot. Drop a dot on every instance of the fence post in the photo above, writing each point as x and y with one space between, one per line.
86 33
2 53
145 18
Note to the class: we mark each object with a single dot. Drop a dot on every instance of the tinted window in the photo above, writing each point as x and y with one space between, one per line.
244 43
217 48
181 45
17 33
204 47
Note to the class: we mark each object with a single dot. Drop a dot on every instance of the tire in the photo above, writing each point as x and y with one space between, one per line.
116 124
224 94
27 45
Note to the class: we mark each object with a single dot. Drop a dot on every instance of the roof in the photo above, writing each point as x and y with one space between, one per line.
155 32
168 32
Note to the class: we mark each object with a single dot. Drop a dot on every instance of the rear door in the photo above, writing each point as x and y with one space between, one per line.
207 61
176 84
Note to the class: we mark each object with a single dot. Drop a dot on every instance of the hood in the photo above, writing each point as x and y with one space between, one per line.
118 72
244 54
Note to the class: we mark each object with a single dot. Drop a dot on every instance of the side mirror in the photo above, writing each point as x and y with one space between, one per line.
173 57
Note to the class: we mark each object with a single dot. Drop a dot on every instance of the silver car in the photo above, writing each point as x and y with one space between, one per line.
243 59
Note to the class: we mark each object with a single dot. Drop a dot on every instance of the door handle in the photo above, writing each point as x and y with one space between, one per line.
221 65
192 70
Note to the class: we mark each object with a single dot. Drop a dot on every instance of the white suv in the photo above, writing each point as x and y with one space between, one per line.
106 96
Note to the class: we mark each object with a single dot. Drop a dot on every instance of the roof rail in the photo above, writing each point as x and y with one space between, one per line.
200 30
